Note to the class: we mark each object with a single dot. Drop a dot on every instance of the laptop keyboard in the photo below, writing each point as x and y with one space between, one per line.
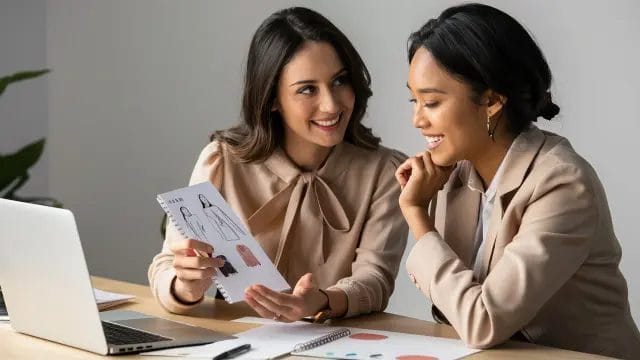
3 307
122 335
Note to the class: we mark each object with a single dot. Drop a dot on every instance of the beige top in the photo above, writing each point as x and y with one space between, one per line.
550 262
342 223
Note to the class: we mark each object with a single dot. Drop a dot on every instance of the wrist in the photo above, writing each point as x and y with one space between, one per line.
408 201
336 305
411 209
326 302
323 311
177 290
417 218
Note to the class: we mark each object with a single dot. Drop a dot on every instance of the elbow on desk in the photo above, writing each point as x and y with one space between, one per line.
484 343
484 337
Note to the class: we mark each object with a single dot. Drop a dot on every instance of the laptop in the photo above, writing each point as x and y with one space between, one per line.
48 291
4 315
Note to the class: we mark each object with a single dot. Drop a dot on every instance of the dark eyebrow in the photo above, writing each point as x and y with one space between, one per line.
427 90
300 82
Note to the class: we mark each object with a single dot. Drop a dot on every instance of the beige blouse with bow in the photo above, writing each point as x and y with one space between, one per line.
342 222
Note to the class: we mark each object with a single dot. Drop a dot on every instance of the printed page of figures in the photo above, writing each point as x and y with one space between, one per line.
200 212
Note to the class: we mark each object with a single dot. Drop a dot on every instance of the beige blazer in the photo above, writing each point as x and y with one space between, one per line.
342 223
550 258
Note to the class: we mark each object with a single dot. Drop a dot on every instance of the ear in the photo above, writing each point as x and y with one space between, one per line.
275 106
495 102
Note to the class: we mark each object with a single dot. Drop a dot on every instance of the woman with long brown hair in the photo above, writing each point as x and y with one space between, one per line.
311 182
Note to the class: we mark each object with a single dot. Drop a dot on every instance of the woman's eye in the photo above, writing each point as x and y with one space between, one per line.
307 90
427 104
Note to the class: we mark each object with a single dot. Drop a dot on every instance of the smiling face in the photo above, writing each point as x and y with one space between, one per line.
315 99
453 124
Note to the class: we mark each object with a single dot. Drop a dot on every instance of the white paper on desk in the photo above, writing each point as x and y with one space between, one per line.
274 340
267 342
389 345
207 351
106 299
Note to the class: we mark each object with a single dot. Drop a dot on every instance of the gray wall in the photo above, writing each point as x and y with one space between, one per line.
138 85
23 106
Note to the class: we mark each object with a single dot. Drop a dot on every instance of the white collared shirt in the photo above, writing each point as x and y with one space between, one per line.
484 214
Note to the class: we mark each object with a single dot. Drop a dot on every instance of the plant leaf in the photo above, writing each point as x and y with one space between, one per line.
17 164
20 76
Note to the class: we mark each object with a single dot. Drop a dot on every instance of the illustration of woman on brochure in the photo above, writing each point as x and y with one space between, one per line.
227 269
221 222
247 255
194 223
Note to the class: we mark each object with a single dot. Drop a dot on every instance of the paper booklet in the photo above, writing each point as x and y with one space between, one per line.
200 212
107 300
104 300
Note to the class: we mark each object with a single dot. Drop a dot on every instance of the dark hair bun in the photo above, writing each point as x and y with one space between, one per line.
548 108
549 111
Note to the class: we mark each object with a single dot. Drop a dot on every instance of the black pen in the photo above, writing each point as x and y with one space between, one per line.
233 352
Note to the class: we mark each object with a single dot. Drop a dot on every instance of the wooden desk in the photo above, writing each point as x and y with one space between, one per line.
18 346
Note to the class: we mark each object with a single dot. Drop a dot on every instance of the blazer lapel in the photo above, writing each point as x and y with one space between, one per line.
517 163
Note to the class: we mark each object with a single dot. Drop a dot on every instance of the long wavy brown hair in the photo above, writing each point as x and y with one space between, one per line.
274 43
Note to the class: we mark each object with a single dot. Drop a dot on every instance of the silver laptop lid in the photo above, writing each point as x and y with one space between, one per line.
44 276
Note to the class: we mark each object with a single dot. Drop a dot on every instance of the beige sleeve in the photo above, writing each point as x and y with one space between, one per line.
552 242
382 244
161 272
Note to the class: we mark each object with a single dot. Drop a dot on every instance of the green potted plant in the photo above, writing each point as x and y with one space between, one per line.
15 166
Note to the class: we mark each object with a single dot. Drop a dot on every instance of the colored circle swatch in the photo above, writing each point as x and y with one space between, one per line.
367 336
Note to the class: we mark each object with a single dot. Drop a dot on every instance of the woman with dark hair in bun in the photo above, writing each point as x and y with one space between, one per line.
514 234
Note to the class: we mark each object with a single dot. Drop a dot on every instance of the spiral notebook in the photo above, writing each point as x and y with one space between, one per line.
200 212
322 340
273 340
